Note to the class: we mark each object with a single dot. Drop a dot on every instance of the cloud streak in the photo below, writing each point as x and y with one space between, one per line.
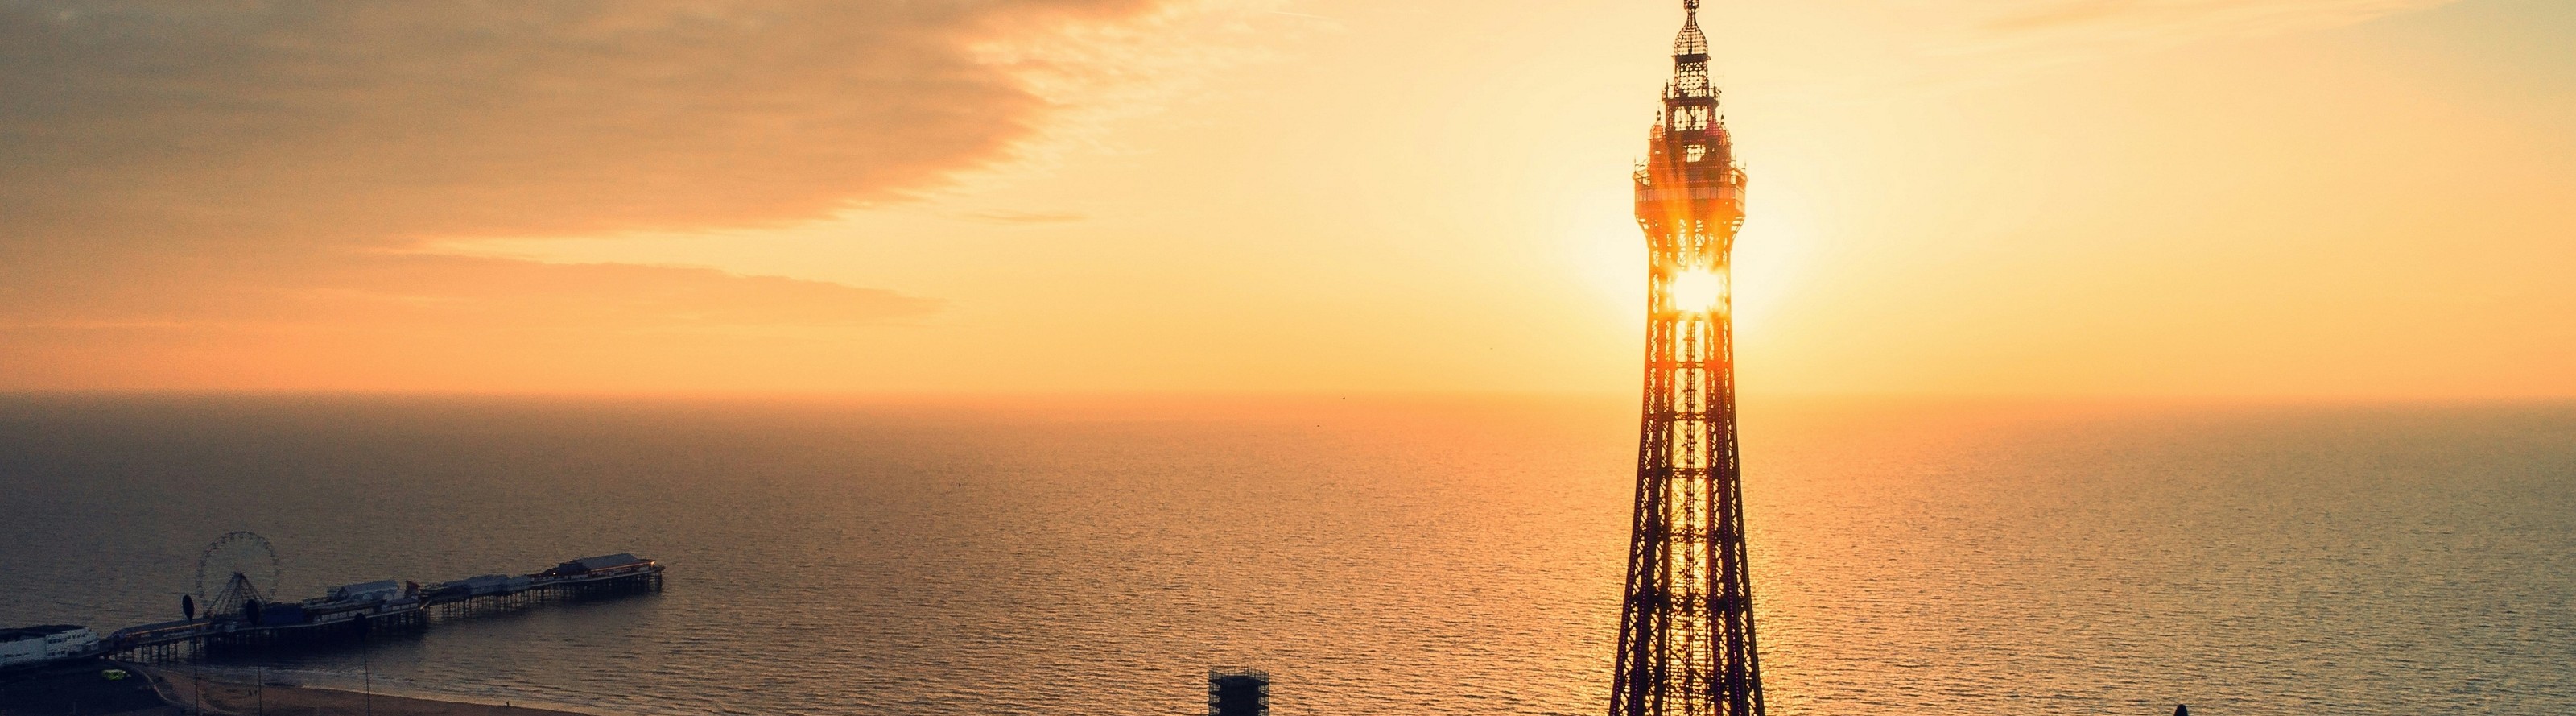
2076 28
441 294
387 121
2221 16
238 165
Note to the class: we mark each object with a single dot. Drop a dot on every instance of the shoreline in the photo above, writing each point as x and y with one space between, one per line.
224 696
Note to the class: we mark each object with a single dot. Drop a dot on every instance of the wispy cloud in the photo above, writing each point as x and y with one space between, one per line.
141 142
385 121
2060 29
1882 46
2197 16
1005 216
444 295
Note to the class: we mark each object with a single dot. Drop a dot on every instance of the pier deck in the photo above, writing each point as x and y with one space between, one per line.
383 607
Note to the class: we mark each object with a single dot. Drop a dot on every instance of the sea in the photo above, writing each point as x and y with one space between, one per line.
1452 554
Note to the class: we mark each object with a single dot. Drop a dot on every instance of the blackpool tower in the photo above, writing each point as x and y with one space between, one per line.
1686 626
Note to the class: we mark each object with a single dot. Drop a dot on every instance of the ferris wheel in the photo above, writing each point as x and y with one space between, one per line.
236 570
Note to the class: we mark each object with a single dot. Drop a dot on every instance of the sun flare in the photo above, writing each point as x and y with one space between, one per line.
1698 290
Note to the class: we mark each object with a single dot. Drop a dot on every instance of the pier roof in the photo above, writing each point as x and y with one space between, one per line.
41 630
620 559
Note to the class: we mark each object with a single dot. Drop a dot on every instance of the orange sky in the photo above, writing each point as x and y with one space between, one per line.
2266 198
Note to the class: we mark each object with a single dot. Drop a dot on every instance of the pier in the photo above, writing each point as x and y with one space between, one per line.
350 612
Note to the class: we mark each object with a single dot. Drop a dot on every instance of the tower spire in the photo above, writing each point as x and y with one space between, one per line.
1691 41
1686 644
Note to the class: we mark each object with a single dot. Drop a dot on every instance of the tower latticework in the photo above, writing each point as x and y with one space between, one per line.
1686 643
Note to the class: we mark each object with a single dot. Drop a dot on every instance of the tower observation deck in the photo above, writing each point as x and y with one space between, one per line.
1686 643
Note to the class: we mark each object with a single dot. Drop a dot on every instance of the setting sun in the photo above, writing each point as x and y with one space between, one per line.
1698 290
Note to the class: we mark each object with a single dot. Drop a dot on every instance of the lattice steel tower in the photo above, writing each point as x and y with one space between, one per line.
1686 627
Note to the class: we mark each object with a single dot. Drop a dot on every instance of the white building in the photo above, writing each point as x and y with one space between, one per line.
38 644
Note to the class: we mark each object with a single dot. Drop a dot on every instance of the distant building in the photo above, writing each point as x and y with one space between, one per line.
1238 692
39 644
600 565
367 591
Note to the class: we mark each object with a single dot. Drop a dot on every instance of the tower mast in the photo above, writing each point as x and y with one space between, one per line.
1686 644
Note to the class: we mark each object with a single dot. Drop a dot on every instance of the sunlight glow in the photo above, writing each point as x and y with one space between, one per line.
1698 290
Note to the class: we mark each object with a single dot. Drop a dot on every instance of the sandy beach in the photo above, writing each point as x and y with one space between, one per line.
238 699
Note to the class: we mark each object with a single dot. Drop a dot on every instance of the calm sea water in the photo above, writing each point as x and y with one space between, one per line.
1449 556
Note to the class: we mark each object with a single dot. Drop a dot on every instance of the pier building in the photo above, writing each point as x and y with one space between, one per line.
25 646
